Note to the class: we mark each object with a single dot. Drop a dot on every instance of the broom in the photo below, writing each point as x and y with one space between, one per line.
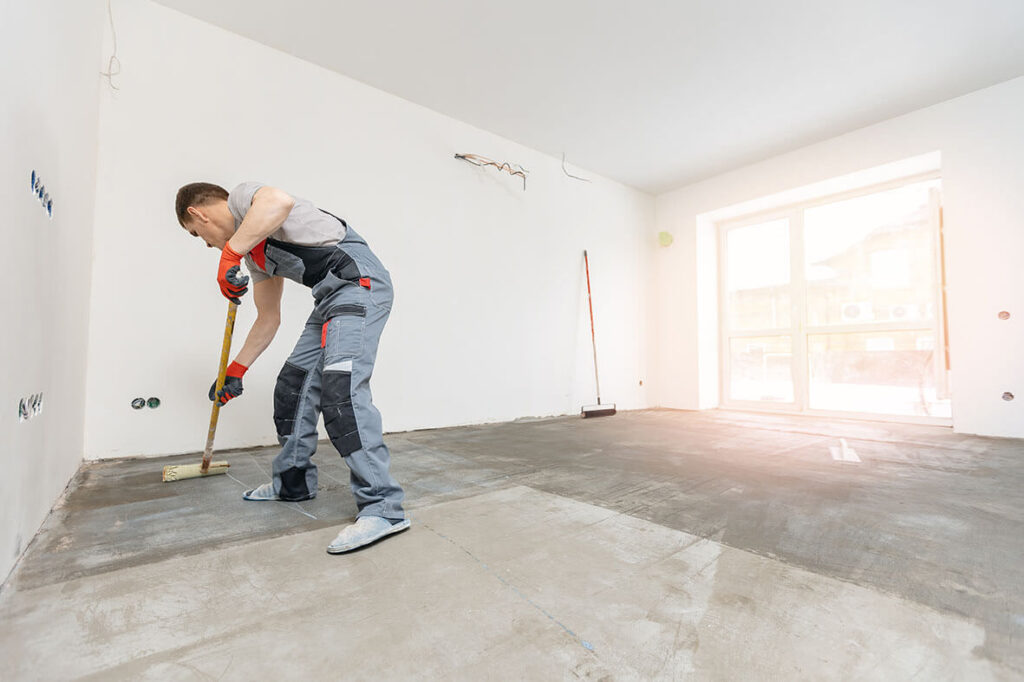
179 472
598 410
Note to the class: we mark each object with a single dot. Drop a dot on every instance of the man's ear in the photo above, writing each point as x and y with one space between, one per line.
197 214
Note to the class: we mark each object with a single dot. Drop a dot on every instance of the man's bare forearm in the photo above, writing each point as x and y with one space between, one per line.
259 338
270 206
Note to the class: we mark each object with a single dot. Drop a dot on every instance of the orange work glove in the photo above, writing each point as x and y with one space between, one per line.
232 383
229 275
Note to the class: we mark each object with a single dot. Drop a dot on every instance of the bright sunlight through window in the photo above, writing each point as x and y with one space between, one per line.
834 306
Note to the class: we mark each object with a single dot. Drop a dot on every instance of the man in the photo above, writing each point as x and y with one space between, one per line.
285 237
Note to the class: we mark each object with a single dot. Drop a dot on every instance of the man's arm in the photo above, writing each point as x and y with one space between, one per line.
266 295
270 207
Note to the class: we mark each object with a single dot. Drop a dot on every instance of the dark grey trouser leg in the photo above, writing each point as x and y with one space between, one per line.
296 409
353 423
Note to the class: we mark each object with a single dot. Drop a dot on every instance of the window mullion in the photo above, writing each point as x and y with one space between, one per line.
798 285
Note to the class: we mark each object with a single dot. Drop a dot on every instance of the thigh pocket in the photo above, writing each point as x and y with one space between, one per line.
336 404
343 333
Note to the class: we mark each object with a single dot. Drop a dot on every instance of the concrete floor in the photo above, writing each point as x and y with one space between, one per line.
650 545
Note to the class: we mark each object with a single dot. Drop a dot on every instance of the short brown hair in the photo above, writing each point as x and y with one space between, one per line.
196 194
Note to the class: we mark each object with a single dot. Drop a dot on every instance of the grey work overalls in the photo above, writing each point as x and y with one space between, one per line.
329 370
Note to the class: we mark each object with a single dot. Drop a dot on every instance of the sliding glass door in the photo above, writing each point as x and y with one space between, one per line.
835 306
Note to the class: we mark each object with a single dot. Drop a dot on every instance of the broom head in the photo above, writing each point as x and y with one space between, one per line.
179 472
606 410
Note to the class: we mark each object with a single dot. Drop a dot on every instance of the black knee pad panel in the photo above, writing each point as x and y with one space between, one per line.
339 415
293 485
286 398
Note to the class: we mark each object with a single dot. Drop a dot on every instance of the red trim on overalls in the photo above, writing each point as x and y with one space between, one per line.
364 282
323 335
259 256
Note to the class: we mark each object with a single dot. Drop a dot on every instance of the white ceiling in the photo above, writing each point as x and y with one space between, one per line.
653 94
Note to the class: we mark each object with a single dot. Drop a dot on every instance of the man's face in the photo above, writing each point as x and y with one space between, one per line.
213 223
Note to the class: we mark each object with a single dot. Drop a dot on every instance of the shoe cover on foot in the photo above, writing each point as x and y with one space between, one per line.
365 530
264 493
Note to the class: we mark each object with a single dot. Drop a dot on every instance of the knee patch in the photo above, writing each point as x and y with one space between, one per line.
293 485
286 398
338 411
343 342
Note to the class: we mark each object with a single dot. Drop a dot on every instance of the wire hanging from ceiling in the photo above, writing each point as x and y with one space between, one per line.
510 168
114 64
574 177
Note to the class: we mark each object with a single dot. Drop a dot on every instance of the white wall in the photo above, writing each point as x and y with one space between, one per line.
981 141
51 56
489 322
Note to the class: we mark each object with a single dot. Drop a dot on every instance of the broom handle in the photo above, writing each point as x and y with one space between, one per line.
225 352
593 337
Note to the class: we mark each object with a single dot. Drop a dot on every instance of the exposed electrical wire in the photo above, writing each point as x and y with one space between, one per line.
574 177
114 64
511 169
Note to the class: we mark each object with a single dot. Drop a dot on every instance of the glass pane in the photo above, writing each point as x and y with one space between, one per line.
760 368
871 259
757 277
880 372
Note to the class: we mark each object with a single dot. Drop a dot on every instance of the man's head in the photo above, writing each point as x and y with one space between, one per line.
202 209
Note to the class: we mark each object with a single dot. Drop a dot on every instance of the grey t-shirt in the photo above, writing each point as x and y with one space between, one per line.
305 225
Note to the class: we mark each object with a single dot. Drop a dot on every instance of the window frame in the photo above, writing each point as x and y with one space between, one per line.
799 330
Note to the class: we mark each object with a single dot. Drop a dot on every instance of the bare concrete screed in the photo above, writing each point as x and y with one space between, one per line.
650 545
